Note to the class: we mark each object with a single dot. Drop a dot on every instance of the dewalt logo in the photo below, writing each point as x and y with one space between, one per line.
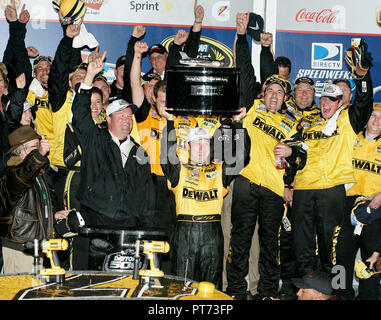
210 49
200 195
366 166
268 129
317 135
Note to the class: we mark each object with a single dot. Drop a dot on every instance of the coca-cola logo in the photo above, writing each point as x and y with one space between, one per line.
323 16
94 4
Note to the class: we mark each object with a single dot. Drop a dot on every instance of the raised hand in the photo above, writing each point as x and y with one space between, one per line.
96 65
24 15
140 47
11 12
73 30
32 52
138 31
266 39
198 12
94 55
242 20
181 37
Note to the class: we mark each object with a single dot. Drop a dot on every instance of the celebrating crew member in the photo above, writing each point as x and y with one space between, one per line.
319 189
199 186
121 194
259 190
355 232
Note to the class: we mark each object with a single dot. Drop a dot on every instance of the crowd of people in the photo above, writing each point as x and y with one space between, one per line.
77 151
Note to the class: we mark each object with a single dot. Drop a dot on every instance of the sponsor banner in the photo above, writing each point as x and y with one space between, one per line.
168 12
112 21
315 38
322 58
330 16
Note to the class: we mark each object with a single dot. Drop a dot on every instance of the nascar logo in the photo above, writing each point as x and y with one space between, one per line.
327 56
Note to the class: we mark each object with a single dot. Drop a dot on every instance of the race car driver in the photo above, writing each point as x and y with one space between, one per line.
199 186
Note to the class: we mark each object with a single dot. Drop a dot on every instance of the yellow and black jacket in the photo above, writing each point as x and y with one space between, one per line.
199 189
366 162
266 130
329 161
44 116
60 96
150 129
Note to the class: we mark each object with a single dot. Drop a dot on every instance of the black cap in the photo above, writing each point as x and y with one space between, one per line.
157 48
364 213
120 61
255 26
320 281
151 75
346 81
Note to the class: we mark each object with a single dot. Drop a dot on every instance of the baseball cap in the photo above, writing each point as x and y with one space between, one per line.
277 79
346 81
320 281
157 48
255 26
83 66
119 105
331 91
197 133
150 76
377 106
100 77
120 61
20 136
364 213
42 58
27 106
304 80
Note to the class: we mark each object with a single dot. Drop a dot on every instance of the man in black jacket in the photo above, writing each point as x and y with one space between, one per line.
116 188
29 214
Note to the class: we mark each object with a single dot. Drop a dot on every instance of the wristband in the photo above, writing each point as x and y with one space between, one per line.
289 187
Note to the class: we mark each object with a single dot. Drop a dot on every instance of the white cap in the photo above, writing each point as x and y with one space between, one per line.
27 106
332 91
119 105
197 133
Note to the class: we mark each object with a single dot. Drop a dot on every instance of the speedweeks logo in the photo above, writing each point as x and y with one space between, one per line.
327 56
326 64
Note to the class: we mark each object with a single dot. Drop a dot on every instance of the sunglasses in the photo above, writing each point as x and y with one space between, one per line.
42 58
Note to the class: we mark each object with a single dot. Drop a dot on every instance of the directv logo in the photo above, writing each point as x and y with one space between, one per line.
327 56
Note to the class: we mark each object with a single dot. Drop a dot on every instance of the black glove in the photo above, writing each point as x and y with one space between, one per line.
359 60
69 226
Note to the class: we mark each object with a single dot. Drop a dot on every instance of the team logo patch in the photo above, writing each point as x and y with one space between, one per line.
285 127
261 107
211 175
358 144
